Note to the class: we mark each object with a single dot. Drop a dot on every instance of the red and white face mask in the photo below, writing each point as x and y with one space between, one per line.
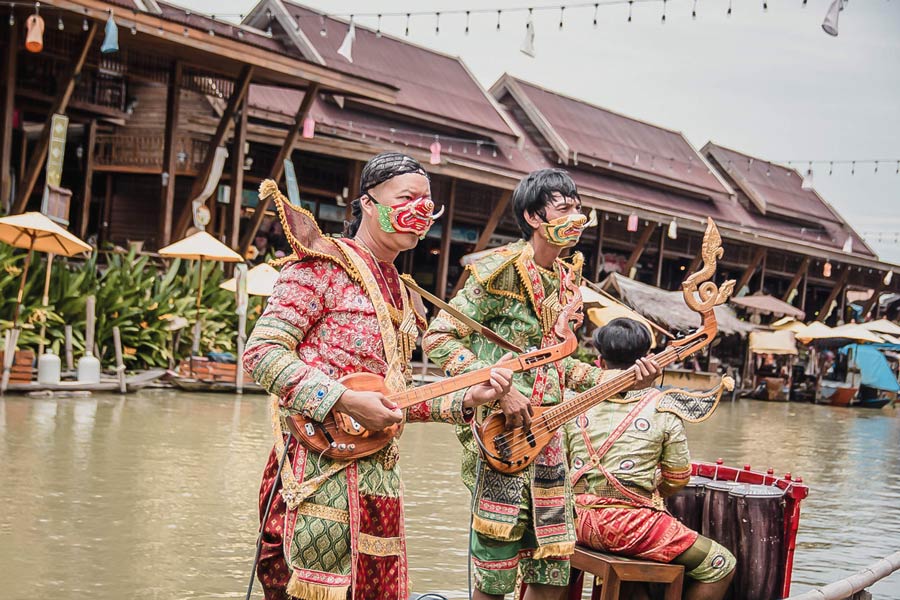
414 216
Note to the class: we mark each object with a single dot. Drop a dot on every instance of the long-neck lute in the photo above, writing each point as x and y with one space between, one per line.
340 436
511 451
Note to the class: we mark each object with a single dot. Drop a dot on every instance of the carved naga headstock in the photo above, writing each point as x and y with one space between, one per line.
572 311
701 294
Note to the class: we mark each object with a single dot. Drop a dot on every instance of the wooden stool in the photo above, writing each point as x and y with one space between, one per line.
610 571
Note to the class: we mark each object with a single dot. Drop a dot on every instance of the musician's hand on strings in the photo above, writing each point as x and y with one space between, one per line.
372 410
516 409
496 387
647 372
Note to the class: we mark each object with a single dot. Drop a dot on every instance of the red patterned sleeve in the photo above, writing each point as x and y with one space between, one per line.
271 359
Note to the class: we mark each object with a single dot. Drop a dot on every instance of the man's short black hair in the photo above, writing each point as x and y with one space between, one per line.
535 191
621 342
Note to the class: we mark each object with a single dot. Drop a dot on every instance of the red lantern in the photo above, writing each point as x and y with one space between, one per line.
34 38
632 222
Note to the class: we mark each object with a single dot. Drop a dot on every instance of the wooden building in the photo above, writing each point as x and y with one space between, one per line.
148 118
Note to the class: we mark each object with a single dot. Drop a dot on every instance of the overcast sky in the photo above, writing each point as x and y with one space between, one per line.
769 83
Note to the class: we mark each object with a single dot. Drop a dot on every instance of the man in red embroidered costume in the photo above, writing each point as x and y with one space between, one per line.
629 452
522 523
335 530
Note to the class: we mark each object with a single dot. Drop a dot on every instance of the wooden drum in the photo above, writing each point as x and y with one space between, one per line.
759 523
687 504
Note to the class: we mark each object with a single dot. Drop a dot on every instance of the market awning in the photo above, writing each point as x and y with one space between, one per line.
820 331
883 326
768 305
873 367
773 342
668 308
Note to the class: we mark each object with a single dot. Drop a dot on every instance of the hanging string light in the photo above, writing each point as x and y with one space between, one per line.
498 19
596 6
664 12
378 29
468 14
12 15
322 31
694 10
729 8
437 23
60 25
406 33
630 7
562 13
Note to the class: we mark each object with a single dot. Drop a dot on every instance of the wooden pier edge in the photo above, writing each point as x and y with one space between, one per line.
853 587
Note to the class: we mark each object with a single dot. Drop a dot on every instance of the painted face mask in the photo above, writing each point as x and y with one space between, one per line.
414 216
565 231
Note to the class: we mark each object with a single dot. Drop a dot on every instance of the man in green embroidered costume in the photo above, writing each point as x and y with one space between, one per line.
627 454
522 523
340 308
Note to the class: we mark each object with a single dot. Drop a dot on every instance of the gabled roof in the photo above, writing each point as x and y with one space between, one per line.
777 201
580 131
435 86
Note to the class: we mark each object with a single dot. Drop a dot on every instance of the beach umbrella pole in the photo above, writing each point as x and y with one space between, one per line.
45 301
21 292
195 349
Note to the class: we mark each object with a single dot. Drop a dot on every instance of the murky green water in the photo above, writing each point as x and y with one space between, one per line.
153 496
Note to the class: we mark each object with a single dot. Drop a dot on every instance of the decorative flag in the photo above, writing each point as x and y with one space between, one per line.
528 43
632 222
830 24
309 128
673 230
34 39
848 245
346 49
435 153
111 37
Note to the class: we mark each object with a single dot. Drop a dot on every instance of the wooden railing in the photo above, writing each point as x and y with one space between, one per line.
855 585
141 150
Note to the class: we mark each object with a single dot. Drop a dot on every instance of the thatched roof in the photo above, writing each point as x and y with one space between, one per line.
668 308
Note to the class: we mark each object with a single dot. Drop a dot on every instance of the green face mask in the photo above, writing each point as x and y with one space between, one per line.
415 216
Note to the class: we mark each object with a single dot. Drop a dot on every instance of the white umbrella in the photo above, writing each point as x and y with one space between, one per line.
260 281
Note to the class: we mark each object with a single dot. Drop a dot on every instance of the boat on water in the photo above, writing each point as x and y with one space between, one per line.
133 383
193 384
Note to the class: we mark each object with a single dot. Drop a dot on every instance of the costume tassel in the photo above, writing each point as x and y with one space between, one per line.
500 531
298 588
554 550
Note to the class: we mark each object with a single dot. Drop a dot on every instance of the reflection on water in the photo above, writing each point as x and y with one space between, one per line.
153 496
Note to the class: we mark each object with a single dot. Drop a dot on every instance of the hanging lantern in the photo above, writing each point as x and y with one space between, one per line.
309 127
673 230
111 37
632 223
435 148
888 277
826 269
528 43
830 24
848 245
346 49
34 38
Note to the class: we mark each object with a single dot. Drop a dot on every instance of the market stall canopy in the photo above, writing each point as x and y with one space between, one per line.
590 296
668 308
768 305
820 331
33 230
201 246
873 367
788 324
260 281
883 326
773 342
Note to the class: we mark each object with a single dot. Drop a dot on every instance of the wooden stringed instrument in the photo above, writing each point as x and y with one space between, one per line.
339 436
511 451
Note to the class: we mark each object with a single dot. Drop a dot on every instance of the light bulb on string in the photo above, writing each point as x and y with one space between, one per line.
322 31
663 20
853 167
876 166
694 10
562 13
831 167
60 25
729 8
898 167
437 23
630 6
765 5
134 30
468 15
596 6
498 19
378 29
406 33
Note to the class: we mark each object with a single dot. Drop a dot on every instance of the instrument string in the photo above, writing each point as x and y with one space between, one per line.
566 411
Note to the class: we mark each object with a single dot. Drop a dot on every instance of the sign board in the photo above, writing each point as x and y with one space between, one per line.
59 125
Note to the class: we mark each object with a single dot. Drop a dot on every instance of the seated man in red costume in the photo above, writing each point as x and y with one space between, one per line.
629 452
339 307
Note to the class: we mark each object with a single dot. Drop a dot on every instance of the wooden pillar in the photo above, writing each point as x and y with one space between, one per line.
762 273
89 139
485 238
639 248
7 107
804 266
354 172
103 235
237 175
278 168
803 293
835 290
167 195
751 268
444 256
598 253
659 263
60 103
241 85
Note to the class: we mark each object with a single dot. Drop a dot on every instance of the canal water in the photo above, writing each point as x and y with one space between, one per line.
153 496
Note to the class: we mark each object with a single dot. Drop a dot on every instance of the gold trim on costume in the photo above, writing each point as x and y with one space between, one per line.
379 546
320 511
